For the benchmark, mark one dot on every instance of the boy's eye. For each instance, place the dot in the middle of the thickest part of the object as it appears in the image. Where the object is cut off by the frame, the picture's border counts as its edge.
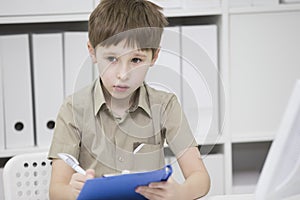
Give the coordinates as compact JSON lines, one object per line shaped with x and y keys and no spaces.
{"x":111,"y":59}
{"x":136,"y":60}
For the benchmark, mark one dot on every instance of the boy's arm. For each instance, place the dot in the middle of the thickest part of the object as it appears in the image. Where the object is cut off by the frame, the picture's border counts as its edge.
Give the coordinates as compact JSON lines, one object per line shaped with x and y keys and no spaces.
{"x":197,"y":183}
{"x":65,"y":184}
{"x":60,"y":178}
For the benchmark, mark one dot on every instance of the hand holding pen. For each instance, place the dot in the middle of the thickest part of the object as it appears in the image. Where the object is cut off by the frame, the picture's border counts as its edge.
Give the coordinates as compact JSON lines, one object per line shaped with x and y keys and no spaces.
{"x":78,"y":178}
{"x":72,"y":162}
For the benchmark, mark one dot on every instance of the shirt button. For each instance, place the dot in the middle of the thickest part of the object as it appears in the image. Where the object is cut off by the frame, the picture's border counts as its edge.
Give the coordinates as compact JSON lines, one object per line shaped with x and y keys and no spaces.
{"x":121,"y":159}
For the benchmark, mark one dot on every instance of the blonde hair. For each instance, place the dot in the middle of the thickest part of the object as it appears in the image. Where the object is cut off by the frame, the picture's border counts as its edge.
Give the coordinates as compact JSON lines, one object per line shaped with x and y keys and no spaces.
{"x":140,"y":22}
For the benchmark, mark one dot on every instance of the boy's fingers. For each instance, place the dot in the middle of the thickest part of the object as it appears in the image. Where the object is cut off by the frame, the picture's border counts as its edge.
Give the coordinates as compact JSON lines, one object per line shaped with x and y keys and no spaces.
{"x":90,"y":173}
{"x":161,"y":184}
{"x":157,"y":185}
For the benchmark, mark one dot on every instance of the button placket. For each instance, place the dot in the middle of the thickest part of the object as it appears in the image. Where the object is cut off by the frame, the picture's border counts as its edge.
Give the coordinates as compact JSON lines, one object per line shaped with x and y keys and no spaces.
{"x":121,"y":159}
{"x":124,"y":159}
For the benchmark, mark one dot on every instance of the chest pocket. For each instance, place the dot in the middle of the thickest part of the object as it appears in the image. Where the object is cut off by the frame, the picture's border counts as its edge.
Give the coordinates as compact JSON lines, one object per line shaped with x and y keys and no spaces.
{"x":149,"y":157}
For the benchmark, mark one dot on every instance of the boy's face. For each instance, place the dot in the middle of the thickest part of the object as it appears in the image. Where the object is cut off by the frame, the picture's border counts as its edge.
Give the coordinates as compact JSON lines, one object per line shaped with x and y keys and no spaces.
{"x":123,"y":69}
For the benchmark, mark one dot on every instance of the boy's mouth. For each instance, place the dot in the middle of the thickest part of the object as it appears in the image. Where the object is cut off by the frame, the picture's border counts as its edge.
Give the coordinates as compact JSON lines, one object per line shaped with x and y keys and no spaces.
{"x":121,"y":88}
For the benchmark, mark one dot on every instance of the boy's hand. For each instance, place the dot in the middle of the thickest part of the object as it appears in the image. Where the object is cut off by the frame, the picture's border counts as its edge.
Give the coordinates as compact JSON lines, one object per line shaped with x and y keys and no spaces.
{"x":164,"y":190}
{"x":77,"y":181}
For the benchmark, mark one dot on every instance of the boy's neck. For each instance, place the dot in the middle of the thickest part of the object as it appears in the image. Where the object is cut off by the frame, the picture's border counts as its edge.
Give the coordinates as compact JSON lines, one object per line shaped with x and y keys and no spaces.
{"x":119,"y":106}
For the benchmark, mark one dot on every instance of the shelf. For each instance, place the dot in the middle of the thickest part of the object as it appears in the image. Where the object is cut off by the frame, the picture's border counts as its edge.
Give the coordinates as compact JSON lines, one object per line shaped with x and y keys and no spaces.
{"x":21,"y":19}
{"x":211,"y":141}
{"x":178,"y":12}
{"x":219,"y":141}
{"x":265,"y":9}
{"x":12,"y":152}
{"x":192,"y":12}
{"x":43,"y":18}
{"x":253,"y":137}
{"x":206,"y":150}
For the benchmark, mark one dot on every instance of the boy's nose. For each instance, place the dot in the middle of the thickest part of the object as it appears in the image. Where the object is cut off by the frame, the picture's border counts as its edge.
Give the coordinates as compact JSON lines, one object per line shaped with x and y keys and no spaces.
{"x":123,"y":72}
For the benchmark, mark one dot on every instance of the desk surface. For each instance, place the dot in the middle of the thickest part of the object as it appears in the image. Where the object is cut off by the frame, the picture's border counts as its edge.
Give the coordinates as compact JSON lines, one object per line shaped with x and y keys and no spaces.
{"x":243,"y":197}
{"x":232,"y":197}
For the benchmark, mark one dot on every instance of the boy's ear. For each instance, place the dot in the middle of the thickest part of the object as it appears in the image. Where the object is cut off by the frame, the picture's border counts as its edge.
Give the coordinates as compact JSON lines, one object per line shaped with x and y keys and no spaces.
{"x":92,"y":52}
{"x":155,"y":56}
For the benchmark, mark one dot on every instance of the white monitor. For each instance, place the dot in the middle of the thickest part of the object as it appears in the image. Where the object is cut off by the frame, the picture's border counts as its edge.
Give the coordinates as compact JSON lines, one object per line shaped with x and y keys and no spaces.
{"x":280,"y":176}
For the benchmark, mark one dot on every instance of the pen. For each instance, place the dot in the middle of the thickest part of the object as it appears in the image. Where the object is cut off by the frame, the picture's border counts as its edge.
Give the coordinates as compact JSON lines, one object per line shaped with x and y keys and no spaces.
{"x":72,"y":162}
{"x":138,"y":148}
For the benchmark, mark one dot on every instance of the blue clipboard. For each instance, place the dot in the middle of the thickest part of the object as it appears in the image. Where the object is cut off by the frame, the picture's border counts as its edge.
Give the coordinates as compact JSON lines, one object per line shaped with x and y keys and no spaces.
{"x":122,"y":186}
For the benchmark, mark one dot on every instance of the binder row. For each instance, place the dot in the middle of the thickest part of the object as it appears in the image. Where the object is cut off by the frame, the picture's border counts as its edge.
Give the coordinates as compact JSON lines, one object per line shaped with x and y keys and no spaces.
{"x":37,"y":71}
{"x":185,"y":53}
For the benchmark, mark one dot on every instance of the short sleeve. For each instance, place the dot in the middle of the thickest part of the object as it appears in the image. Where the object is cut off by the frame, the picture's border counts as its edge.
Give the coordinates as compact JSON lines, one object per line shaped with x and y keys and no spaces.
{"x":177,"y":130}
{"x":66,"y":137}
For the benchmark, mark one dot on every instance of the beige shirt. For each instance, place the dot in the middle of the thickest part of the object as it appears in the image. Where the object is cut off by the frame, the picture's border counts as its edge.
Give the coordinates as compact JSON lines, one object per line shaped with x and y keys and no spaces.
{"x":87,"y":129}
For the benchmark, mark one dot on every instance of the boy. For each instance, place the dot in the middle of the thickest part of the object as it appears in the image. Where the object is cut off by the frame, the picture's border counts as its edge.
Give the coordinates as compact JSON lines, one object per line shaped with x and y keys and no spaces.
{"x":104,"y":124}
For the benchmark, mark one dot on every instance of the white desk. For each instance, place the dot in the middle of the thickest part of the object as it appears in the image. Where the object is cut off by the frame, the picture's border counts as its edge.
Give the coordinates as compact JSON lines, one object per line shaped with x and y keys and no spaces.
{"x":232,"y":197}
{"x":242,"y":197}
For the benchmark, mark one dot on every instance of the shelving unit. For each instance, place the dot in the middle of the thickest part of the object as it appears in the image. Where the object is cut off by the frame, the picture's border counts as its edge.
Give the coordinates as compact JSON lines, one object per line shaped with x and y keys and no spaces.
{"x":258,"y":62}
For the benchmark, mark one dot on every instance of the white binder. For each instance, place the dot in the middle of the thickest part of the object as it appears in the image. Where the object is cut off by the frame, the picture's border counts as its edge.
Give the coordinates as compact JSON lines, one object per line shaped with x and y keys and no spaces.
{"x":200,"y":80}
{"x":214,"y":163}
{"x":165,"y":74}
{"x":2,"y":130}
{"x":14,"y":51}
{"x":48,"y":83}
{"x":78,"y":64}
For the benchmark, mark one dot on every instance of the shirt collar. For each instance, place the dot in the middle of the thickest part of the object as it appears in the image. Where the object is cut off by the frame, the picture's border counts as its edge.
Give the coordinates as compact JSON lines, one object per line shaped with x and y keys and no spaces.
{"x":99,"y":99}
{"x":142,"y":101}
